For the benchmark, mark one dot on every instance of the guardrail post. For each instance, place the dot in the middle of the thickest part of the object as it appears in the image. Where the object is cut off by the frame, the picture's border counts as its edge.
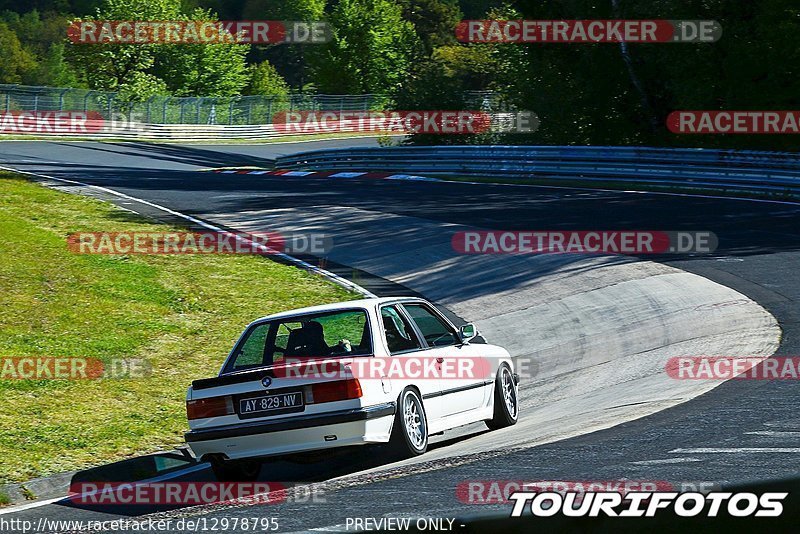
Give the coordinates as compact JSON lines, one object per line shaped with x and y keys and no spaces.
{"x":149,"y":111}
{"x":230,"y":111}
{"x":61,"y":99}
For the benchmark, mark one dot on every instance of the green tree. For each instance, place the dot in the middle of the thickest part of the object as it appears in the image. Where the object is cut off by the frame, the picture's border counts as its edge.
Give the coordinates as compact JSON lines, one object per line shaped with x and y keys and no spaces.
{"x":203,"y":69}
{"x":37,"y":31}
{"x":16,"y":61}
{"x":118,"y":67}
{"x":434,"y":20}
{"x":182,"y":69}
{"x":372,"y":48}
{"x":292,"y":60}
{"x":141,"y":87}
{"x":54,"y":70}
{"x":305,"y":10}
{"x":265,"y":80}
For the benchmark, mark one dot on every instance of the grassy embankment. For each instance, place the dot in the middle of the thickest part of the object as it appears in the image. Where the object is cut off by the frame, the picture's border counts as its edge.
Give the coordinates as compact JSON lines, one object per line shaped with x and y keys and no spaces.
{"x":181,"y":313}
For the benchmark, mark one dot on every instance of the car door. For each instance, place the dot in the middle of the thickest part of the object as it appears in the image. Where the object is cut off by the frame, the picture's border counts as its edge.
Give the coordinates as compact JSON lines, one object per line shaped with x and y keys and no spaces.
{"x":461,"y":391}
{"x":403,"y":342}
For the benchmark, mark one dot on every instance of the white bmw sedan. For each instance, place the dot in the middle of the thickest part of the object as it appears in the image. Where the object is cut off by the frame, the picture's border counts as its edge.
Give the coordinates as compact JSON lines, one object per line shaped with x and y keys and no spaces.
{"x":383,"y":370}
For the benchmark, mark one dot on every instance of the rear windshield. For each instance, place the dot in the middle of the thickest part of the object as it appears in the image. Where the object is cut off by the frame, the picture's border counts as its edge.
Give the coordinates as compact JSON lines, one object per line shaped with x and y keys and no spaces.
{"x":340,"y":333}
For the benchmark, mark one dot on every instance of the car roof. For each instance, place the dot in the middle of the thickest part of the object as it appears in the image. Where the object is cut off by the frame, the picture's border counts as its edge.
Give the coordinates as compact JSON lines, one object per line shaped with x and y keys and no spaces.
{"x":344,"y":305}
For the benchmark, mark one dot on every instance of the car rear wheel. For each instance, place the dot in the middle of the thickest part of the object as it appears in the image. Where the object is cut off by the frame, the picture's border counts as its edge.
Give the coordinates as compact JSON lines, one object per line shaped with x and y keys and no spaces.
{"x":410,"y":430}
{"x":506,"y":400}
{"x":236,"y":470}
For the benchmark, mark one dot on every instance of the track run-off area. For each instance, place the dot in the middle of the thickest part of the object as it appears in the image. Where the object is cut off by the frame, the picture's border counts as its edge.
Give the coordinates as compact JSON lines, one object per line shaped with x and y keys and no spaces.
{"x":593,"y":333}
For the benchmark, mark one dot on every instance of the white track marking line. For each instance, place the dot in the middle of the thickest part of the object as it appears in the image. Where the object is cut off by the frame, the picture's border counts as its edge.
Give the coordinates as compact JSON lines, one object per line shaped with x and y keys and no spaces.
{"x":412,"y":178}
{"x":667,"y":193}
{"x":343,"y":282}
{"x":28,"y":506}
{"x":347,"y":175}
{"x":668,"y":461}
{"x":330,"y":528}
{"x":775,"y":433}
{"x":737,"y":450}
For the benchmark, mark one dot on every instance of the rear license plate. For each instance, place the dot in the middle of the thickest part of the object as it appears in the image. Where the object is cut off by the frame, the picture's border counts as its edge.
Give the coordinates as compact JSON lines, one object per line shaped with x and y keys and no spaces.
{"x":271,"y":404}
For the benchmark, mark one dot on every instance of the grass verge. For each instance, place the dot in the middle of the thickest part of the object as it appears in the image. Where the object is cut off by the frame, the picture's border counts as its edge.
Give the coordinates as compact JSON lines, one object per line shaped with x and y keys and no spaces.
{"x":180,"y":313}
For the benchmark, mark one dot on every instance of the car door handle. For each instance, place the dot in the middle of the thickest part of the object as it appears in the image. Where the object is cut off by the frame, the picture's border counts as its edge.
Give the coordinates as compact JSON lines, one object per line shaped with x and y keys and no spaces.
{"x":440,"y":360}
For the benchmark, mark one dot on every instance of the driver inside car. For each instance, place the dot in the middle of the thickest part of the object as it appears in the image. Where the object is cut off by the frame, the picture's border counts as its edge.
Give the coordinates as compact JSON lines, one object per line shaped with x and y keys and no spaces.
{"x":309,"y":341}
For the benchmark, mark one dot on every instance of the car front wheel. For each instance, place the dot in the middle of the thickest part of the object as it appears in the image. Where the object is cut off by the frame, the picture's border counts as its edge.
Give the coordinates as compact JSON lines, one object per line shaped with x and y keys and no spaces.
{"x":410,"y":430}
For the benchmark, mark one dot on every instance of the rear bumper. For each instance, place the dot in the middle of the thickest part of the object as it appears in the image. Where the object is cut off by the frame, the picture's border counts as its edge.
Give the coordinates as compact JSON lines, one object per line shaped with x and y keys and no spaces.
{"x":295,"y":434}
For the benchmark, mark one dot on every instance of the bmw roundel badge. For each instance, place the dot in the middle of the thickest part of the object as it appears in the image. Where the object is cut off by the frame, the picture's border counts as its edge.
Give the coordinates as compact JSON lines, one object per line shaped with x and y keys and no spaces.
{"x":266,"y":381}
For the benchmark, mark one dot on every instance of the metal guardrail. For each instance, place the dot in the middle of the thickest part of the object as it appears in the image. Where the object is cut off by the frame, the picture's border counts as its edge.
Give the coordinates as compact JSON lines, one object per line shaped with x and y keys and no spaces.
{"x":775,"y":172}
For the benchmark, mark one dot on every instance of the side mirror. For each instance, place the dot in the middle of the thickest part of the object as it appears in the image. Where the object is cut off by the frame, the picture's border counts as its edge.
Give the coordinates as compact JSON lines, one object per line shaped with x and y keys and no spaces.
{"x":467,"y":332}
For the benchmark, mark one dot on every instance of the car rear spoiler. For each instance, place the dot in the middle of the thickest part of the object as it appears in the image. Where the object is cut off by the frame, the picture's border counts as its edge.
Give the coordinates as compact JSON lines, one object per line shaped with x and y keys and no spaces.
{"x":233,"y":378}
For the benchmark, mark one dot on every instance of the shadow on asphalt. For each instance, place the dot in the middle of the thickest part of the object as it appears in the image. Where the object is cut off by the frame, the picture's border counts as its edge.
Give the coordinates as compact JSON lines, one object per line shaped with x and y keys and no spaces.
{"x":179,"y":466}
{"x":188,"y":155}
{"x":743,"y":227}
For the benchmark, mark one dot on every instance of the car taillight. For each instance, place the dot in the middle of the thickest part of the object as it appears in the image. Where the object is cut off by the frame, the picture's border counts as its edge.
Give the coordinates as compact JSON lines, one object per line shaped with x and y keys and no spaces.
{"x":211,"y":407}
{"x":333,"y":391}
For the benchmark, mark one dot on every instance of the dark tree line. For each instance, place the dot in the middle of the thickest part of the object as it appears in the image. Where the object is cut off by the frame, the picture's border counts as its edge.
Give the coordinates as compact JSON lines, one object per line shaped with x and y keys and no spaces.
{"x":583,"y":93}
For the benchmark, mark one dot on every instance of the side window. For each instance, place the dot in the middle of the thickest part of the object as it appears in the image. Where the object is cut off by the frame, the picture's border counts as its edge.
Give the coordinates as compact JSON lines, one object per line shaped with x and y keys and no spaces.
{"x":399,"y":334}
{"x":435,"y":331}
{"x":282,"y":340}
{"x":252,"y":352}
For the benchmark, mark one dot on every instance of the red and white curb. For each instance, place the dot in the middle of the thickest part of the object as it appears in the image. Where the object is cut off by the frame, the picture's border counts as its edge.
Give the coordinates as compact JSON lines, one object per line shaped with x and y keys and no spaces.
{"x":329,"y":174}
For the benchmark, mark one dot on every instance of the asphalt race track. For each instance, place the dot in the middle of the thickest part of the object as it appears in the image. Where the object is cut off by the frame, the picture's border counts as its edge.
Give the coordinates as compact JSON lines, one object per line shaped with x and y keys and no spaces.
{"x":736,"y":432}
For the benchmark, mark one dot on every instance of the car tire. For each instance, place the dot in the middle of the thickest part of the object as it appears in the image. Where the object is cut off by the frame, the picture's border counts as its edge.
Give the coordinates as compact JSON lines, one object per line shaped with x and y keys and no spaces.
{"x":506,"y":400}
{"x":236,"y":470}
{"x":410,"y":430}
